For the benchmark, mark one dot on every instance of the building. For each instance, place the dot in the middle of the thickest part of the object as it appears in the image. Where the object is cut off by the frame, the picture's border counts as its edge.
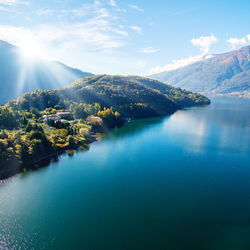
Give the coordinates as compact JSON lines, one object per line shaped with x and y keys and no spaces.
{"x":58,"y":117}
{"x":55,"y":118}
{"x":64,"y":114}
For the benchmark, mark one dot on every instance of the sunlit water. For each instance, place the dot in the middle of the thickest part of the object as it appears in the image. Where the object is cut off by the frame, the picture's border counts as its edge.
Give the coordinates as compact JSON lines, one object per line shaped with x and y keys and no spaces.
{"x":178,"y":182}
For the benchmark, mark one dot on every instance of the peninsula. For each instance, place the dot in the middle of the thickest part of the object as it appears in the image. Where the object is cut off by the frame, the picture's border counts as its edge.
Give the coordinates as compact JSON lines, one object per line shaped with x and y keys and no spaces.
{"x":41,"y":124}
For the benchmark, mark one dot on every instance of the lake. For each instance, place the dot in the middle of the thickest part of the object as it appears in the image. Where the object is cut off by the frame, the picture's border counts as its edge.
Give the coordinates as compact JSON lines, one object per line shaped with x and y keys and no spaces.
{"x":176,"y":182}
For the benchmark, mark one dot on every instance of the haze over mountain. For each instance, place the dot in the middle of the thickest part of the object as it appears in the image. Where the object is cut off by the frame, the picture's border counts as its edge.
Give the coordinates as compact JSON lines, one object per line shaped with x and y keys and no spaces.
{"x":20,"y":73}
{"x":219,"y":74}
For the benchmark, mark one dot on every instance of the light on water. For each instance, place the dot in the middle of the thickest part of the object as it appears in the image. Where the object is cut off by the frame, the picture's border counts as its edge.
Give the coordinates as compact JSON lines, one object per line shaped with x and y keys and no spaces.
{"x":177,"y":182}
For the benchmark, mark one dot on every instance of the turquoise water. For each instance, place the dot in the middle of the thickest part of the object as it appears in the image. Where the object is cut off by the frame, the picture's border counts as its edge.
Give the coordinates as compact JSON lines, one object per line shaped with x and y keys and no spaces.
{"x":177,"y":182}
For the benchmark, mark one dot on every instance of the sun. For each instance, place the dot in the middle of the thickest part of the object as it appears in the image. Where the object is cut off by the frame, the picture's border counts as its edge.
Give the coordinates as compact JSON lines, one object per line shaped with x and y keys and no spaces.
{"x":30,"y":50}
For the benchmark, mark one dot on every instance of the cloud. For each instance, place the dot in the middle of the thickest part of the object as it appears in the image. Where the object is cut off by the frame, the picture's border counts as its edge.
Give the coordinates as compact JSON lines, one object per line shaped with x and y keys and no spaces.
{"x":90,"y":35}
{"x":248,"y":37}
{"x":8,"y":2}
{"x":148,"y":50}
{"x":235,"y":42}
{"x":5,"y":9}
{"x":99,"y":32}
{"x":44,"y":12}
{"x":135,"y":7}
{"x":176,"y":64}
{"x":137,"y":29}
{"x":85,"y":10}
{"x":204,"y":42}
{"x":13,"y":2}
{"x":113,"y":3}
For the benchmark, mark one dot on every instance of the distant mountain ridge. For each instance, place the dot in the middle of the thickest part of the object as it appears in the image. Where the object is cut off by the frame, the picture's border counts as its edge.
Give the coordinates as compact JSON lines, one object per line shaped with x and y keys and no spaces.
{"x":220,"y":74}
{"x":19,"y":75}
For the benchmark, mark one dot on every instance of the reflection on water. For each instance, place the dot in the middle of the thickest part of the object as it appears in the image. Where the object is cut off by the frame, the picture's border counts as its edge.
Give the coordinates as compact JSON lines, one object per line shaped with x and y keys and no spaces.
{"x":133,"y":128}
{"x":176,"y":182}
{"x":222,"y":126}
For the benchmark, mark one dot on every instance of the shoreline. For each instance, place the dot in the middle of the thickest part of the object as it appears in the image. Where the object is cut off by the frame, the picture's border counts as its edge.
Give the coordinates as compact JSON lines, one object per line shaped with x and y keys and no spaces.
{"x":45,"y":160}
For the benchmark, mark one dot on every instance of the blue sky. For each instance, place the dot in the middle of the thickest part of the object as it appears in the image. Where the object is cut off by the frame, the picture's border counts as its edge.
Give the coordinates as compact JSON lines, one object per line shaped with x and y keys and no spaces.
{"x":125,"y":36}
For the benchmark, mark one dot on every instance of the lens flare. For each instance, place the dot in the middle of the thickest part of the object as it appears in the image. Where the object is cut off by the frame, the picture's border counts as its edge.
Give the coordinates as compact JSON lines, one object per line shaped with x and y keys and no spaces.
{"x":30,"y":50}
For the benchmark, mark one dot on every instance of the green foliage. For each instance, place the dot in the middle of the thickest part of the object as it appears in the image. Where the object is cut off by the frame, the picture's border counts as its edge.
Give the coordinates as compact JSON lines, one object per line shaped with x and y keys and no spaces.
{"x":98,"y":102}
{"x":35,"y":112}
{"x":90,"y":95}
{"x":71,"y":140}
{"x":8,"y":118}
{"x":28,"y":127}
{"x":110,"y":117}
{"x":39,"y":99}
{"x":70,"y":152}
{"x":83,"y":110}
{"x":57,"y":124}
{"x":50,"y":110}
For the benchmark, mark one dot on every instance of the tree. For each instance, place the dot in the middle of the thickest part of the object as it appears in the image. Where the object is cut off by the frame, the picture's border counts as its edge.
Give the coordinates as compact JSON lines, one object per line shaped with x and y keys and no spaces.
{"x":28,"y":127}
{"x":71,"y":140}
{"x":36,"y":148}
{"x":23,"y":153}
{"x":35,"y":112}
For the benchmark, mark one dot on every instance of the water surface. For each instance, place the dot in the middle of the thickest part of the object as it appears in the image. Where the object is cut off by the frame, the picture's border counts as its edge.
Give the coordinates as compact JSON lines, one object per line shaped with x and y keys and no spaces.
{"x":176,"y":182}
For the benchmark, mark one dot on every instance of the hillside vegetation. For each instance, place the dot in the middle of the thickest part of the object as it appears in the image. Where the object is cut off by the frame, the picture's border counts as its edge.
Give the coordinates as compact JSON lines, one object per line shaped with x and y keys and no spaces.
{"x":31,"y":130}
{"x":131,"y":96}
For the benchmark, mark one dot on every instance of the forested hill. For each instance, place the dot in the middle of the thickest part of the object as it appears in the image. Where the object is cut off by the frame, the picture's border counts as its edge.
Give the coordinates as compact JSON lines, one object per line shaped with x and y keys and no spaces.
{"x":20,"y":73}
{"x":220,"y":74}
{"x":130,"y":95}
{"x":46,"y":122}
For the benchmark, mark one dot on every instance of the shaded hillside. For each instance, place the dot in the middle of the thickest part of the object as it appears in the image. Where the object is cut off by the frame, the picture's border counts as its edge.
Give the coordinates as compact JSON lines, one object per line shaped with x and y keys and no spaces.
{"x":131,"y":96}
{"x":19,"y":74}
{"x":223,"y":74}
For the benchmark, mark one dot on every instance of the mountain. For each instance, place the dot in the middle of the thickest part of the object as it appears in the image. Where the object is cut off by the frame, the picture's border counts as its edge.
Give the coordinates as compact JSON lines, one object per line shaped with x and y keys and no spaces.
{"x":130,"y":95}
{"x":19,"y":74}
{"x":220,"y":74}
{"x":44,"y":123}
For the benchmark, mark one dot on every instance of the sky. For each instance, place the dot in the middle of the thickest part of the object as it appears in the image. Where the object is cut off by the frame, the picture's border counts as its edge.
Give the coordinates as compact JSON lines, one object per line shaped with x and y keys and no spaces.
{"x":131,"y":37}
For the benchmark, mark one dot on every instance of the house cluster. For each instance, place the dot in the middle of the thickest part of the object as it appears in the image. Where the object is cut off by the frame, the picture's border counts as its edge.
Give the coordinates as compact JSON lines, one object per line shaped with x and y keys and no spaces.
{"x":58,"y":117}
